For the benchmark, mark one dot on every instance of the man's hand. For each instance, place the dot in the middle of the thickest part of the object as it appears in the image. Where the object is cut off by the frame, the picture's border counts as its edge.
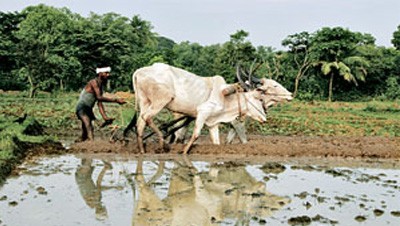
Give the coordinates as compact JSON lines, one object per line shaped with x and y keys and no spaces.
{"x":107,"y":121}
{"x":120,"y":101}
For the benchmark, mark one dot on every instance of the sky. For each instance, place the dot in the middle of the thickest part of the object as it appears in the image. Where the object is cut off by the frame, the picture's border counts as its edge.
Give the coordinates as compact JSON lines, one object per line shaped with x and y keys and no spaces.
{"x":268,"y":22}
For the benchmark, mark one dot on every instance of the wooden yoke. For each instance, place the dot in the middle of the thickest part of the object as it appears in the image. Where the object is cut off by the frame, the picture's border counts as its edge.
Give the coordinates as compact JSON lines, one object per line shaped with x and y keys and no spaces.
{"x":234,"y":88}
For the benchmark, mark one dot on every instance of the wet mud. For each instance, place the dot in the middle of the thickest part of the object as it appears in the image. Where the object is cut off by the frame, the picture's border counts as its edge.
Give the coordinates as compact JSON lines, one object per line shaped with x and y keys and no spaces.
{"x":279,"y":146}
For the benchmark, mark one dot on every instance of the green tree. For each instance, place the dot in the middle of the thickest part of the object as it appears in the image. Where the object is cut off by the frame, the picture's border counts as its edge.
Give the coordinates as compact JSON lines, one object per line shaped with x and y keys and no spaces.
{"x":8,"y":52}
{"x":335,"y":50}
{"x":270,"y":60}
{"x":392,"y":82}
{"x":46,"y":57}
{"x":165,"y":49}
{"x":196,"y":58}
{"x":396,"y":38}
{"x":116,"y":41}
{"x":206,"y":64}
{"x":144,"y":43}
{"x":237,"y":51}
{"x":299,"y":45}
{"x":187,"y":55}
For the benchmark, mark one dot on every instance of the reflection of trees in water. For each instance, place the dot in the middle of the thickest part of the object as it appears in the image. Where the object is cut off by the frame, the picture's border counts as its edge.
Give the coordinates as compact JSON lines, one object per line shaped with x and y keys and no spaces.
{"x":89,"y":190}
{"x":226,"y":191}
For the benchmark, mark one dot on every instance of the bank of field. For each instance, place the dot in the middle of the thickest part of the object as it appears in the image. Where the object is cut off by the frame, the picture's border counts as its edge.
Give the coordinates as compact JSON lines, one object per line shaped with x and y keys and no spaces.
{"x":316,"y":118}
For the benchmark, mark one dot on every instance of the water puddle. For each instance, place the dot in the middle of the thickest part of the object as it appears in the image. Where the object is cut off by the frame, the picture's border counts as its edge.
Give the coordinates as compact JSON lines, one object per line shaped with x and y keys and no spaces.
{"x":104,"y":190}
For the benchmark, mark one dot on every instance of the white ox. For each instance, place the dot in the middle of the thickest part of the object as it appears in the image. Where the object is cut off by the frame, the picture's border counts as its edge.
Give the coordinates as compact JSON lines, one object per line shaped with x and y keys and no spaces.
{"x":162,"y":86}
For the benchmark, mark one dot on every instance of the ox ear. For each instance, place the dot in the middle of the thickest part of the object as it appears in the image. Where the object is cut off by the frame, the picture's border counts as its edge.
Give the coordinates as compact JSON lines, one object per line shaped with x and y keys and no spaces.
{"x":263,"y":81}
{"x":262,"y":89}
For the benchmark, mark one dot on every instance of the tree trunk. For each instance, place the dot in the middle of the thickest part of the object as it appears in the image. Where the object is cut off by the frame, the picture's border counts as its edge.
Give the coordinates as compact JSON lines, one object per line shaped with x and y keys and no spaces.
{"x":330,"y":88}
{"x":299,"y":75}
{"x":61,"y":85}
{"x":32,"y":92}
{"x":32,"y":88}
{"x":296,"y":84}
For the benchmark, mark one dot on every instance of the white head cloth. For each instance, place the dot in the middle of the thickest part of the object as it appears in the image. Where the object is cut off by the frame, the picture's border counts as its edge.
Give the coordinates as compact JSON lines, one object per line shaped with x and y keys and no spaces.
{"x":103,"y":69}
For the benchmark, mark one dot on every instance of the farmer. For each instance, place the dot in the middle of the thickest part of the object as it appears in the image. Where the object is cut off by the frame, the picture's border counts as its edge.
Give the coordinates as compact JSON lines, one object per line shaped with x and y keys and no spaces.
{"x":93,"y":92}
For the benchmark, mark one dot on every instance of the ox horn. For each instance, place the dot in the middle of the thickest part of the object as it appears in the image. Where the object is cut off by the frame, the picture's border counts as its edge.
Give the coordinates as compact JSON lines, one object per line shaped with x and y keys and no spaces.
{"x":241,"y":82}
{"x":254,"y":82}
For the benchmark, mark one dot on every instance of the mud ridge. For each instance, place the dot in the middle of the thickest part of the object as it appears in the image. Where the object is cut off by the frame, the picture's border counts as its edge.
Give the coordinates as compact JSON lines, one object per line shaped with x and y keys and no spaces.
{"x":279,"y":146}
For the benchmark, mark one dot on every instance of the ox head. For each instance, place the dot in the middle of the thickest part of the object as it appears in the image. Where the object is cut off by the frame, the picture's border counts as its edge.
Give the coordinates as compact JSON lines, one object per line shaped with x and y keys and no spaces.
{"x":273,"y":93}
{"x":270,"y":91}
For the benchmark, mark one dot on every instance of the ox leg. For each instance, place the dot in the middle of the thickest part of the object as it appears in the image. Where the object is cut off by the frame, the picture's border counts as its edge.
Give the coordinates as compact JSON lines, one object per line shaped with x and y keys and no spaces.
{"x":148,"y":115}
{"x":179,"y":136}
{"x":241,"y":131}
{"x":141,"y":124}
{"x":214,"y":134}
{"x":231,"y":135}
{"x":131,"y":126}
{"x":180,"y":131}
{"x":158,"y":132}
{"x":196,"y":132}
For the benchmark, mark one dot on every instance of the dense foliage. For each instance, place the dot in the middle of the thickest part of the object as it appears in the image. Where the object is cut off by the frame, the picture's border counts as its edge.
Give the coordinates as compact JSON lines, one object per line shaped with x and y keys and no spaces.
{"x":51,"y":49}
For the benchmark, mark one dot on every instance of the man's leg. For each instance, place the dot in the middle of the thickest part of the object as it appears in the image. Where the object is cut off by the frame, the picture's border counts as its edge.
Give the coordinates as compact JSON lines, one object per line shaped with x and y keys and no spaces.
{"x":84,"y":132}
{"x":87,"y":128}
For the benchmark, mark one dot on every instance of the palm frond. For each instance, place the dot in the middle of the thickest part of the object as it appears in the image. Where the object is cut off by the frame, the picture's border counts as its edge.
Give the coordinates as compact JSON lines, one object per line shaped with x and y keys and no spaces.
{"x":343,"y":68}
{"x":326,"y":68}
{"x":356,"y":61}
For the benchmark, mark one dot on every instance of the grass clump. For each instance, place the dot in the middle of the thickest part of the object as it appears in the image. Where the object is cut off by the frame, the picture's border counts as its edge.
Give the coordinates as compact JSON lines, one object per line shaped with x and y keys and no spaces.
{"x":16,"y":140}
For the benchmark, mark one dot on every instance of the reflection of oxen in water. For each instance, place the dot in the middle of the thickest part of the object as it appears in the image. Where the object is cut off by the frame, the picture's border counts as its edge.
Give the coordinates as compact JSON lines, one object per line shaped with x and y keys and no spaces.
{"x":225,"y":192}
{"x":179,"y":208}
{"x":90,"y":191}
{"x":186,"y":196}
{"x":148,"y":209}
{"x":242,"y":196}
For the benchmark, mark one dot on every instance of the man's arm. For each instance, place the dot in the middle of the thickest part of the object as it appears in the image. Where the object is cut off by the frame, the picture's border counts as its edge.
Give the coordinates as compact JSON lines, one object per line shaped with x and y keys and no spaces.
{"x":99,"y":96}
{"x":102,"y":111}
{"x":100,"y":99}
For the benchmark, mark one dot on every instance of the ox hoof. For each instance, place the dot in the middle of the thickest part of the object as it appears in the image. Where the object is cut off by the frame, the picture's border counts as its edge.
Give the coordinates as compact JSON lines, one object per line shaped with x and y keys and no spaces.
{"x":165,"y":148}
{"x":124,"y":143}
{"x":184,"y":152}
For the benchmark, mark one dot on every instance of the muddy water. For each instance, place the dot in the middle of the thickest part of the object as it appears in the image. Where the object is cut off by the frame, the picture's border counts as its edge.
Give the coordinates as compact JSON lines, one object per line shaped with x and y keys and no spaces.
{"x":172,"y":190}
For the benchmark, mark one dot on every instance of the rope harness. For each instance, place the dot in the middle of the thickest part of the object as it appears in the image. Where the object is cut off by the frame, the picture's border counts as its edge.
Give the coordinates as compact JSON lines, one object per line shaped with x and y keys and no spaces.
{"x":239,"y":90}
{"x":242,"y":115}
{"x":263,"y":111}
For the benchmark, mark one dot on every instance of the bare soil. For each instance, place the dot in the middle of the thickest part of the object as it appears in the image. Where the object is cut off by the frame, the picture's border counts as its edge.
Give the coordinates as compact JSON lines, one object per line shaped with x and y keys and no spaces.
{"x":272,"y":146}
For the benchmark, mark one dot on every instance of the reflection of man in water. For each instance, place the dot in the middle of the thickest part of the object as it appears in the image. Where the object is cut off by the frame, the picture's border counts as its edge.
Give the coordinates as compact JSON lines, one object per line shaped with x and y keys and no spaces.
{"x":90,"y":191}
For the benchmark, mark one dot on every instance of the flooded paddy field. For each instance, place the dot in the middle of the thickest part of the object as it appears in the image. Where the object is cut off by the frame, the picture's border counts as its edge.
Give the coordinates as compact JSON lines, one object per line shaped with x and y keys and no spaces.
{"x":111,"y":189}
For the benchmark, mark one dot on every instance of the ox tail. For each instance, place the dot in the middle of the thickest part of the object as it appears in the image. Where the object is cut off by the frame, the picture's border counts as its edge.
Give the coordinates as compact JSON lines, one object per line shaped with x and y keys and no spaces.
{"x":132,"y":125}
{"x":134,"y":84}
